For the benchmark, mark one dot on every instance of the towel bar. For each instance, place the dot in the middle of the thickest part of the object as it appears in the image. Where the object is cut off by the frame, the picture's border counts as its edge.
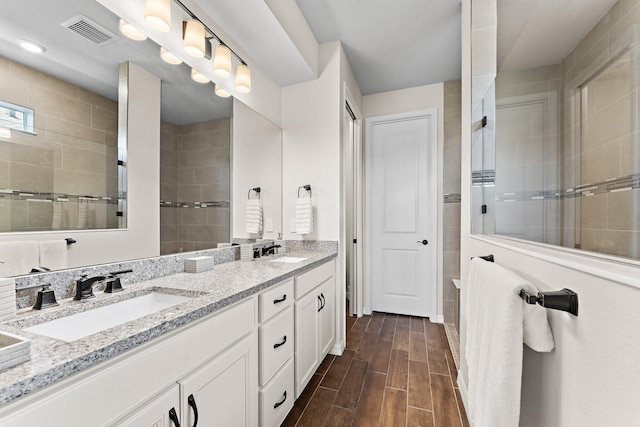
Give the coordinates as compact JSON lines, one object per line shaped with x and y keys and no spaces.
{"x":70,"y":241}
{"x":564,"y":300}
{"x":486,"y":258}
{"x":306,"y":187}
{"x":256,"y":190}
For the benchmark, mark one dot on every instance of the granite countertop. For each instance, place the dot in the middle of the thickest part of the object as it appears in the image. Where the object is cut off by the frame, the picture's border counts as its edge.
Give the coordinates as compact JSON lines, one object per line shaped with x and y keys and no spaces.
{"x":53,"y":360}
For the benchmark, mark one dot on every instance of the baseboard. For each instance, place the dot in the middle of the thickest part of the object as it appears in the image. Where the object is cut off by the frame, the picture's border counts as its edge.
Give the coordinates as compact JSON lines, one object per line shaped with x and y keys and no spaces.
{"x":438,"y":319}
{"x":464,"y":395}
{"x":337,"y":349}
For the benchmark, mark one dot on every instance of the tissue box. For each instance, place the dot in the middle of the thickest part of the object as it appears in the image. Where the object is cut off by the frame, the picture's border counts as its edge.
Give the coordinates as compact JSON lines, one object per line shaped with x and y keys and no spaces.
{"x":198,"y":264}
{"x":7,"y":299}
{"x":13,"y":350}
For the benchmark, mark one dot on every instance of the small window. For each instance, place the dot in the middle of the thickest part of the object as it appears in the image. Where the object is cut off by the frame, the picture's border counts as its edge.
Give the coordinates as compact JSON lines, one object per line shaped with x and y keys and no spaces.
{"x":17,"y":117}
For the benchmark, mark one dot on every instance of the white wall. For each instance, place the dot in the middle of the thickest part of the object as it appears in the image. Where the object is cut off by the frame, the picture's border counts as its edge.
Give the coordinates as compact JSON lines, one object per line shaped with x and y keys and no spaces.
{"x":311,"y":147}
{"x":592,"y":378}
{"x":141,"y":238}
{"x":256,"y":162}
{"x":416,"y":99}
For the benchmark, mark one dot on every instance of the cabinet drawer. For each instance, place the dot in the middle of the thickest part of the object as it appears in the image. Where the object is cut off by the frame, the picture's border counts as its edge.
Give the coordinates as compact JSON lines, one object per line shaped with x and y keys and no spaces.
{"x":276,"y":399}
{"x":309,"y":280}
{"x":275,"y":299}
{"x":276,"y":344}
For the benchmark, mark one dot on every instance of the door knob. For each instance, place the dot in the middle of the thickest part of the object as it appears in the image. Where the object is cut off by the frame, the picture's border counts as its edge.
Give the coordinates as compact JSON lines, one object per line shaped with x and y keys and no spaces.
{"x":424,"y":242}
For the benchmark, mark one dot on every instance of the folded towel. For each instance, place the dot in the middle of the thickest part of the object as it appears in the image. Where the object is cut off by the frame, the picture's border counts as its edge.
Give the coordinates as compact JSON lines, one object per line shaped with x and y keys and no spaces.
{"x":304,"y":215}
{"x":18,"y":257}
{"x":53,"y":254}
{"x":498,"y":323}
{"x":253,"y":216}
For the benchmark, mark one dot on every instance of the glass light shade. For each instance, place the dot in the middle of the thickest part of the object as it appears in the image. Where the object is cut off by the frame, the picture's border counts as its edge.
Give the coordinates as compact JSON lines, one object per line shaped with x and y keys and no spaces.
{"x":131,"y":32}
{"x":222,"y":61}
{"x":222,"y":92}
{"x":157,"y":13}
{"x":243,"y":79}
{"x":194,"y":41}
{"x":195,"y":75}
{"x":169,"y":57}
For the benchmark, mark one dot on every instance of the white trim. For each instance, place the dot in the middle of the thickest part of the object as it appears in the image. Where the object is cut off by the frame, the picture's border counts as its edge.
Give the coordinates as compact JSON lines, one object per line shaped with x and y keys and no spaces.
{"x":338,"y":348}
{"x":438,"y":319}
{"x":431,"y":113}
{"x":594,"y":264}
{"x":464,"y":396}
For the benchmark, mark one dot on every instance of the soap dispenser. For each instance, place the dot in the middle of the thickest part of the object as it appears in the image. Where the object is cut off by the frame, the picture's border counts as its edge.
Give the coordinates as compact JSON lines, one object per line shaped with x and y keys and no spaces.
{"x":46,"y":298}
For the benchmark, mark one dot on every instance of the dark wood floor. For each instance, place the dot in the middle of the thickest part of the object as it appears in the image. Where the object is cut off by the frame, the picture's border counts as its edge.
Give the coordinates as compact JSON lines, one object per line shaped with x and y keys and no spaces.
{"x":395,"y":371}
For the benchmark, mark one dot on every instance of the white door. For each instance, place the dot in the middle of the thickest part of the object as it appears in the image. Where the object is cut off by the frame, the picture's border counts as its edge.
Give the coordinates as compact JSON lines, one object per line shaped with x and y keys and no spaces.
{"x":402,"y":198}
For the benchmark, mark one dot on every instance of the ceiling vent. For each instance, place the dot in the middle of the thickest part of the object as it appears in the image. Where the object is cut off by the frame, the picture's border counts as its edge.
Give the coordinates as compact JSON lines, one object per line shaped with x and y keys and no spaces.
{"x":90,"y":30}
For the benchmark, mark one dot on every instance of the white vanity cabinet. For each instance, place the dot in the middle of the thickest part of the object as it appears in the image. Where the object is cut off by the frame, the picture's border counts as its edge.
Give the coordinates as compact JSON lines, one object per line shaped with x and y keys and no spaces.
{"x":215,"y":359}
{"x":276,"y":332}
{"x":315,"y":321}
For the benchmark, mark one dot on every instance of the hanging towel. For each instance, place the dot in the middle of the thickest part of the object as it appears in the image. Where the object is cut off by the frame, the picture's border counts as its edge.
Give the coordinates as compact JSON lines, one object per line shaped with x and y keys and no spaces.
{"x":253,"y":223}
{"x":498,"y":323}
{"x":53,"y":254}
{"x":304,"y":215}
{"x":18,"y":257}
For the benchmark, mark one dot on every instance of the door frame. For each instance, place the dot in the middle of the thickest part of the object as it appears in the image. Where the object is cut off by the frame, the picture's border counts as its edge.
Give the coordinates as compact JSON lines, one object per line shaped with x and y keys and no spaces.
{"x":436,"y":152}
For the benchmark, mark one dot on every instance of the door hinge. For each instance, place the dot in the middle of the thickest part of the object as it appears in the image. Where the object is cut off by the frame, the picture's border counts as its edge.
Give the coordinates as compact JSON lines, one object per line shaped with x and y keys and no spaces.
{"x":484,"y":209}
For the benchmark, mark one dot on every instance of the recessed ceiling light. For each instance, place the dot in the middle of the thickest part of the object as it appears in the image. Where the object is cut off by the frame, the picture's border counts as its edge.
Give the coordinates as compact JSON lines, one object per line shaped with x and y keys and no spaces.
{"x":32,"y":47}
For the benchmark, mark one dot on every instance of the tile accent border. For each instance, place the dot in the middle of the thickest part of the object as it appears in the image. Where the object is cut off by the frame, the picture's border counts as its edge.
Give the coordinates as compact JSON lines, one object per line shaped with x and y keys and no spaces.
{"x":454,"y":342}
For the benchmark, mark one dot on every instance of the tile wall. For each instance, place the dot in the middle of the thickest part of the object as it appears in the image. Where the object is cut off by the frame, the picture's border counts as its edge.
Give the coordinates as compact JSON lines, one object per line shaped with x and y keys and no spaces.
{"x":74,"y":151}
{"x":194,"y":172}
{"x":452,"y":147}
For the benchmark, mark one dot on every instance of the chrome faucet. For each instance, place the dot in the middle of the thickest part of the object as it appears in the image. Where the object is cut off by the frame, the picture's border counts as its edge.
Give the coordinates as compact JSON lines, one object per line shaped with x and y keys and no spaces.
{"x":84,"y":286}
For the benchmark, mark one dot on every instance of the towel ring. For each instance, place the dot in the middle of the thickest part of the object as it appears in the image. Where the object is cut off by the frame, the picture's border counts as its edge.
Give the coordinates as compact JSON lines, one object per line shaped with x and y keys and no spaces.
{"x":306,"y":187}
{"x":256,"y":190}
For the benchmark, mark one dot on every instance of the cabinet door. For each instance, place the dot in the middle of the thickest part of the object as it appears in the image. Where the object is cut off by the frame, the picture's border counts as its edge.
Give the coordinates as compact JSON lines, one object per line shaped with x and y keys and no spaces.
{"x":307,"y":352}
{"x":327,"y":317}
{"x":162,"y":411}
{"x":224,"y":392}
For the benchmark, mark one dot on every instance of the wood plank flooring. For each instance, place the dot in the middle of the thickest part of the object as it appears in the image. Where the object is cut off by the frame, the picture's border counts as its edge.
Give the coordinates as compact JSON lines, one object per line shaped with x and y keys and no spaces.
{"x":396,"y":371}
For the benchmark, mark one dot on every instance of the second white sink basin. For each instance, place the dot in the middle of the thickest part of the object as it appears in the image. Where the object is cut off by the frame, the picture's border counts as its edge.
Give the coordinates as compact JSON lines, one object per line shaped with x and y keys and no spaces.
{"x":80,"y":325}
{"x":288,"y":259}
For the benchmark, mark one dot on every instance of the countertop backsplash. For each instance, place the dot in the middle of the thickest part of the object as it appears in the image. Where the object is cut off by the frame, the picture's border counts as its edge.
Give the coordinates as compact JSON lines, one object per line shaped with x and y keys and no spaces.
{"x":63,"y":281}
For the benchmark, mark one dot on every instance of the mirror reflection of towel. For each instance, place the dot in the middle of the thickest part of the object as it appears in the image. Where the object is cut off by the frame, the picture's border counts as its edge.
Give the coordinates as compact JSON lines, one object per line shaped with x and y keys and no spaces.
{"x":18,"y":257}
{"x":53,"y":254}
{"x":253,"y":223}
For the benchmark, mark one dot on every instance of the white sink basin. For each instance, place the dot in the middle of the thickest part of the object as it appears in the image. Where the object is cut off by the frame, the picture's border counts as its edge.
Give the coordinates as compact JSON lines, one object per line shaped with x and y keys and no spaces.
{"x":80,"y":325}
{"x":288,"y":259}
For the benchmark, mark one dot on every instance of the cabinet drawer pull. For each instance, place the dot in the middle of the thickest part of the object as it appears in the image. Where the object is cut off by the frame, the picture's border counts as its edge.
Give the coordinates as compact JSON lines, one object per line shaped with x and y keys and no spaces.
{"x":320,"y":299}
{"x":173,"y":416}
{"x":192,"y":403}
{"x":280,"y":344}
{"x":279,"y":404}
{"x":324,"y":302}
{"x":277,"y":301}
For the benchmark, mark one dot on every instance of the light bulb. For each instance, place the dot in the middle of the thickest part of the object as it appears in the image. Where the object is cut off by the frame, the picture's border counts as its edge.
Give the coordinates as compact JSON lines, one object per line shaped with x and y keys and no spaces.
{"x":222,"y":61}
{"x":198,"y":77}
{"x":169,"y":57}
{"x":194,"y":40}
{"x":243,"y":79}
{"x":131,"y":32}
{"x":157,"y":14}
{"x":221,"y":92}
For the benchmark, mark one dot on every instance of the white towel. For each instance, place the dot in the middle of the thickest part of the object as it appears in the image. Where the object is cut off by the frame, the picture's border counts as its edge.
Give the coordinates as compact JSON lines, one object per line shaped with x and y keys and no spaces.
{"x":53,"y":254}
{"x":253,"y":220}
{"x":304,"y":215}
{"x":498,"y":323}
{"x":18,"y":257}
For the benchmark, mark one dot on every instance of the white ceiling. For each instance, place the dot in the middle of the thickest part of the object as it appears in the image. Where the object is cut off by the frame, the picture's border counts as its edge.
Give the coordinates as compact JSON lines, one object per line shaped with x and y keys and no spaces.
{"x":391,"y":44}
{"x":81,"y":62}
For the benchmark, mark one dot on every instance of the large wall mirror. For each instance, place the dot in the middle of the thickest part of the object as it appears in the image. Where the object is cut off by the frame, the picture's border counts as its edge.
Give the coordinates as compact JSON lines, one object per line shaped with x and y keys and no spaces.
{"x":561,"y":148}
{"x":63,"y":173}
